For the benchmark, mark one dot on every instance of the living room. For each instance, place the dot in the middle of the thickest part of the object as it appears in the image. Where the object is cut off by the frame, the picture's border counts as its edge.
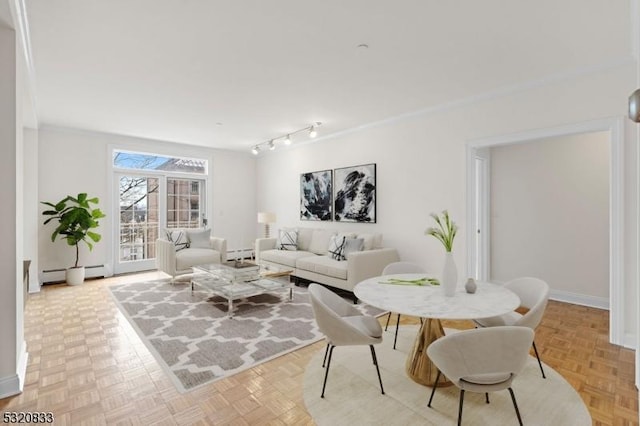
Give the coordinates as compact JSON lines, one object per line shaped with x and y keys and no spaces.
{"x":419,"y":137}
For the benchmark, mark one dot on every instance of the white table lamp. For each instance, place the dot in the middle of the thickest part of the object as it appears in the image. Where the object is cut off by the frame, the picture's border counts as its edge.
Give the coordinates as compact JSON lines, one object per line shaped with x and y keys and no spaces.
{"x":266,"y":218}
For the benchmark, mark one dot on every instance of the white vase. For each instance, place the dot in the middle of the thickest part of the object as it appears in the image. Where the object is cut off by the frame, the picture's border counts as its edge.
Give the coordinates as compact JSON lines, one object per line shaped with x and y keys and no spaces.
{"x":449,"y":275}
{"x":75,"y":276}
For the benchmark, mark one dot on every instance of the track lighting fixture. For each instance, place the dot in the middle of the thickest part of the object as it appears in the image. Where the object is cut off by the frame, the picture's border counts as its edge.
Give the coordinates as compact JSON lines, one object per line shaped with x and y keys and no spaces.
{"x":286,"y":139}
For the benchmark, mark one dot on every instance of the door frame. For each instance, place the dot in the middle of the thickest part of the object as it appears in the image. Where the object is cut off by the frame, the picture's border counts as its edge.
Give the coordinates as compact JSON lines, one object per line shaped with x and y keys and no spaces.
{"x":615,"y":127}
{"x":478,"y":223}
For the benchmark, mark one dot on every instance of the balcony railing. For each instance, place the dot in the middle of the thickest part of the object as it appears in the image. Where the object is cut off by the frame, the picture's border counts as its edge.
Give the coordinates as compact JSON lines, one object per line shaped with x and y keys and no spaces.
{"x":138,"y":239}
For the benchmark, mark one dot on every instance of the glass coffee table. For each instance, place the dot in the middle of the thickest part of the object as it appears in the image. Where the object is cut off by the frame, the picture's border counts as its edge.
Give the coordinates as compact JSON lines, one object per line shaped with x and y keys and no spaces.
{"x":237,"y":280}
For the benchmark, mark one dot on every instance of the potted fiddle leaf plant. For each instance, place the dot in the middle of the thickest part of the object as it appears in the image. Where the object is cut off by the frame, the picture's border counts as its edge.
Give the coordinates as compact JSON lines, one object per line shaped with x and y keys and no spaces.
{"x":76,"y":219}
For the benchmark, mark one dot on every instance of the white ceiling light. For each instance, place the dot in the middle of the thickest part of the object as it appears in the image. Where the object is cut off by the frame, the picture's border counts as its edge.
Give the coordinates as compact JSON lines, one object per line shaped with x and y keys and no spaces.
{"x":286,"y":138}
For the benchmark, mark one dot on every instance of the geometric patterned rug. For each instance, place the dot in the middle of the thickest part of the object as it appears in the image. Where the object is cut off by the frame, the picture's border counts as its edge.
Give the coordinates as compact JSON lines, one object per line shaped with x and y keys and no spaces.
{"x":191,"y":336}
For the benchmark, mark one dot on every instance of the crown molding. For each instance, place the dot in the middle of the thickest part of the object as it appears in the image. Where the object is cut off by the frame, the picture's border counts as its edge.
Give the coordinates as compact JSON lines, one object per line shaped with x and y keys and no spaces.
{"x":21,"y":22}
{"x":484,"y":97}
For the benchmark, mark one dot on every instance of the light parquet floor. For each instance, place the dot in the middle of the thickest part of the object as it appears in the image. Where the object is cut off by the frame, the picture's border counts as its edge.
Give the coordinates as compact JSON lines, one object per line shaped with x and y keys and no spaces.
{"x":88,"y":366}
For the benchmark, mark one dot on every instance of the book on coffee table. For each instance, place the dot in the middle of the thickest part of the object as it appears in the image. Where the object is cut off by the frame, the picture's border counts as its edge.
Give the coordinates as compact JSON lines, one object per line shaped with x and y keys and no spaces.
{"x":240,"y":265}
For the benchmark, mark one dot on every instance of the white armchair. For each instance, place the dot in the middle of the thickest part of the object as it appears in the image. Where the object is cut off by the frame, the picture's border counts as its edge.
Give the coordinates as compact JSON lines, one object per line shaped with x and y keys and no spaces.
{"x":175,"y":263}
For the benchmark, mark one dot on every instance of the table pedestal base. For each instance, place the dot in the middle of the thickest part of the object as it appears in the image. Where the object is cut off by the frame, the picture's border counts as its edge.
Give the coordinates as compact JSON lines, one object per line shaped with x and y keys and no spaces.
{"x":419,"y":366}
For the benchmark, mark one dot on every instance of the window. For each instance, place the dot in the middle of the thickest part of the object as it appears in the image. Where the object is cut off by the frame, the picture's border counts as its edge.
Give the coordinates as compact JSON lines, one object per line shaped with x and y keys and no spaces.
{"x":143,"y":161}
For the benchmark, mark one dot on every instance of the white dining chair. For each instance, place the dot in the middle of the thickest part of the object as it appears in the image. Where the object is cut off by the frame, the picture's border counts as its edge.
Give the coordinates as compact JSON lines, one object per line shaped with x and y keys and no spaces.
{"x":343,"y":325}
{"x":400,"y":268}
{"x":534,"y":295}
{"x":481,"y":360}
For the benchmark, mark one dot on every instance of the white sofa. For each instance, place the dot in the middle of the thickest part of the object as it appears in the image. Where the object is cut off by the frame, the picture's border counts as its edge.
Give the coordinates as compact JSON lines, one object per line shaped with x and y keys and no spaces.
{"x":201,"y":249}
{"x":311,"y":261}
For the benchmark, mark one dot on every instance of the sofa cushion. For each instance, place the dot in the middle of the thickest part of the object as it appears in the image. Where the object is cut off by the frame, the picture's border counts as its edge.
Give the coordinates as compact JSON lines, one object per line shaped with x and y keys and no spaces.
{"x":199,"y":238}
{"x":323,"y":265}
{"x":320,"y":241}
{"x":304,"y":238}
{"x":284,"y":257}
{"x":187,"y":258}
{"x":371,"y":241}
{"x":288,"y":240}
{"x":178,"y":237}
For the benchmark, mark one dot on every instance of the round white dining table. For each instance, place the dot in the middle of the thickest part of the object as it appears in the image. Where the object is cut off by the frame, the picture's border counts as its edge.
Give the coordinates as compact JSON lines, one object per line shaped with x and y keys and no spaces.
{"x":430,"y":303}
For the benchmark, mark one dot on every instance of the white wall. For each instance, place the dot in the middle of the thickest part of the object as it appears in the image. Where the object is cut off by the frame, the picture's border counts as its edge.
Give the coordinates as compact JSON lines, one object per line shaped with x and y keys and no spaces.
{"x":31,"y":205}
{"x":550,"y":212}
{"x":8,"y":250}
{"x":13,"y":356}
{"x":421,"y":161}
{"x":73,"y":161}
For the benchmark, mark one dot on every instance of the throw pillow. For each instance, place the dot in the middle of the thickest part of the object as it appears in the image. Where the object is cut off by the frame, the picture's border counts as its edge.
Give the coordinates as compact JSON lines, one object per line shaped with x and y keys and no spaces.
{"x":351,"y":245}
{"x":178,"y":237}
{"x":288,"y":239}
{"x":199,"y":238}
{"x":335,"y":247}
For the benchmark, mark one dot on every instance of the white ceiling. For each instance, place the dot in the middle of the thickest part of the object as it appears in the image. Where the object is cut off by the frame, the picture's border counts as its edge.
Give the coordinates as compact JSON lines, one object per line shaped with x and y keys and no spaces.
{"x":230,"y":74}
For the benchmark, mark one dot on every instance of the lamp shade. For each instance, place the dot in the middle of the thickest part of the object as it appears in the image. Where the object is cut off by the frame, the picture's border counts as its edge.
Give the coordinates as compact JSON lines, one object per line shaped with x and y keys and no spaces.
{"x":266,"y":217}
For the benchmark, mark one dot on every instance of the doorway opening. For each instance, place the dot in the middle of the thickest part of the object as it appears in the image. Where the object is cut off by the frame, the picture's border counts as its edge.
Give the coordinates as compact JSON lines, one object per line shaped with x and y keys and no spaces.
{"x":478,"y":213}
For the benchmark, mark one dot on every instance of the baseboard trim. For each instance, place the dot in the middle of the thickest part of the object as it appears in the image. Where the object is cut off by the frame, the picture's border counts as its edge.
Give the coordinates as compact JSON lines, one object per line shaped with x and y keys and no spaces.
{"x":629,"y":341}
{"x":9,"y":386}
{"x":58,"y":275}
{"x":14,"y":383}
{"x":580,"y":299}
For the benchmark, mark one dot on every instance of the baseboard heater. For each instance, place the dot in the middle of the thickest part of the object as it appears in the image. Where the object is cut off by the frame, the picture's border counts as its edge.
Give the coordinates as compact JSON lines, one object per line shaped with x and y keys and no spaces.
{"x":55,"y":276}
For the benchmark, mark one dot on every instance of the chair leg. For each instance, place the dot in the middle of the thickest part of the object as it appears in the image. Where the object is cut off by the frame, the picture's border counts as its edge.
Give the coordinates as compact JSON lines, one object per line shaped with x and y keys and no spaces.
{"x":326,"y":372}
{"x":515,"y":405}
{"x":326,"y":351}
{"x":387,"y":324}
{"x":460,"y":409}
{"x":539,"y":362}
{"x":433,"y":389}
{"x":375,"y":362}
{"x":486,"y":397}
{"x":395,"y":339}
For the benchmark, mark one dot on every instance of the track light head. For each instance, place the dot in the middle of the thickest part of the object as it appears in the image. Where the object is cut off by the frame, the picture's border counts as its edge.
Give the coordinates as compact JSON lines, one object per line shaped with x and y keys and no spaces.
{"x":272,"y":145}
{"x":287,"y":140}
{"x":255,"y":150}
{"x":313,"y":130}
